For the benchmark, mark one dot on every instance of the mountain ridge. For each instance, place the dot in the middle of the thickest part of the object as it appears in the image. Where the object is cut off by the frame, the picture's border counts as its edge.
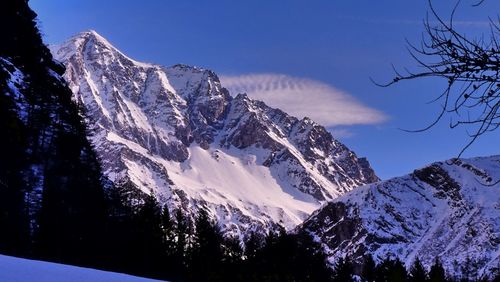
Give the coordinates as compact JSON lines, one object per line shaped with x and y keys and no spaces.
{"x":447,"y":210}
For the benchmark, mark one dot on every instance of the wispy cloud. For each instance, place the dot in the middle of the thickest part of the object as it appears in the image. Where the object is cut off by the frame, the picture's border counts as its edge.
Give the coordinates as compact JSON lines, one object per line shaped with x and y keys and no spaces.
{"x":461,"y":23}
{"x":304,"y":97}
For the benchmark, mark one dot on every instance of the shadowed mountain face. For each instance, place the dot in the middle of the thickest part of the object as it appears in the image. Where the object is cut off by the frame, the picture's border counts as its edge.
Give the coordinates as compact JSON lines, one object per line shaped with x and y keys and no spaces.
{"x":448,"y":210}
{"x":176,"y":132}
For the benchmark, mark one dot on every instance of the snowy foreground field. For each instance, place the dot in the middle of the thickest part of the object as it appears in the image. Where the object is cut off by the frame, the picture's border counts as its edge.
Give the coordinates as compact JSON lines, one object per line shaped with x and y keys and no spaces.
{"x":23,"y":270}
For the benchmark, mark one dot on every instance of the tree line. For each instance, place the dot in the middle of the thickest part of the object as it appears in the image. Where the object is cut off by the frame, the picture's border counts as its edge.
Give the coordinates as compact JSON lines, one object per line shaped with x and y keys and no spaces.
{"x":169,"y":246}
{"x":150,"y":241}
{"x":393,"y":270}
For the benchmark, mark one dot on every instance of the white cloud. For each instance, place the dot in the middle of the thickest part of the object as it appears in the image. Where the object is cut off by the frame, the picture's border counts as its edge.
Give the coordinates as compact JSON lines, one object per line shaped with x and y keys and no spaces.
{"x":302,"y":97}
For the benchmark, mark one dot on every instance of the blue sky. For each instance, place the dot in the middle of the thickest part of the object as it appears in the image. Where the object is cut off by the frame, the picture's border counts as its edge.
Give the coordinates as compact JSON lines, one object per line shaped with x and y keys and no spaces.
{"x":337,"y":45}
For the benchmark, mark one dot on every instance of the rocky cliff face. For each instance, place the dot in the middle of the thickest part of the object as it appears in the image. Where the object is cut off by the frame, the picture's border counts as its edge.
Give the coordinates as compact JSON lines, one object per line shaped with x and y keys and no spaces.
{"x":176,"y":132}
{"x":448,"y":210}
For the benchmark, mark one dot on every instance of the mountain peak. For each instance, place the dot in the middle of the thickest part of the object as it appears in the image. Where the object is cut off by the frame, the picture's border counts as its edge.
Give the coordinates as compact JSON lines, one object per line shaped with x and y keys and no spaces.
{"x":81,"y":38}
{"x":90,"y":44}
{"x":92,"y":34}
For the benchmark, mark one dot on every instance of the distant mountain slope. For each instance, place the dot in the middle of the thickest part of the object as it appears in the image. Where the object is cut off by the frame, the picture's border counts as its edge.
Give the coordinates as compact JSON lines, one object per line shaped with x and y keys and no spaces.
{"x":177,"y":132}
{"x":449,"y":210}
{"x":25,"y":270}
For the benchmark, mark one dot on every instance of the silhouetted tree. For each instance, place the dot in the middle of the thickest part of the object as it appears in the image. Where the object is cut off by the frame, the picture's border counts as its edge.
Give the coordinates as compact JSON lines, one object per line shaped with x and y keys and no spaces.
{"x":391,"y":270}
{"x":417,"y":272}
{"x":496,"y":277}
{"x":207,"y":253}
{"x":233,"y":251}
{"x":121,"y":238}
{"x":253,"y":243}
{"x":289,"y":257}
{"x":169,"y":246}
{"x":343,"y":270}
{"x":181,"y":246}
{"x":437,"y":273}
{"x":469,"y":270}
{"x":73,"y":202}
{"x":14,"y":238}
{"x":369,"y":268}
{"x":168,"y":228}
{"x":151,"y":237}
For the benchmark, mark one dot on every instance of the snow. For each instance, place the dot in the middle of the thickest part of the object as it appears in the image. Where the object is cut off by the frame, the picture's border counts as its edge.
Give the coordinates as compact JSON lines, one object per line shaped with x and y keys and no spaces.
{"x":407,"y":217}
{"x":238,"y":178}
{"x":15,"y":81}
{"x":79,"y":38}
{"x":228,"y":177}
{"x":14,"y":269}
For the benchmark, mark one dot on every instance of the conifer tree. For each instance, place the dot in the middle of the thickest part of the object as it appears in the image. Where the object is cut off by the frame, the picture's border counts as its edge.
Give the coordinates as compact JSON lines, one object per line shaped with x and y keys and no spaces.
{"x":398,"y":271}
{"x":469,"y":270}
{"x":182,"y":231}
{"x":391,"y":270}
{"x":290,"y":257}
{"x":14,"y":224}
{"x":73,"y":214}
{"x":496,"y":276}
{"x":417,"y":272}
{"x":369,"y":268}
{"x":253,"y":243}
{"x":343,"y":271}
{"x":437,"y":273}
{"x":151,"y":237}
{"x":168,"y":229}
{"x":122,"y":228}
{"x":312,"y":259}
{"x":233,"y":251}
{"x":207,"y":253}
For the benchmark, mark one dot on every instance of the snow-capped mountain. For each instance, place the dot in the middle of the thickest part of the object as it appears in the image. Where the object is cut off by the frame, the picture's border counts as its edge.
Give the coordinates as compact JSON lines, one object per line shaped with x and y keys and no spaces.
{"x":449,"y":210}
{"x":176,"y":132}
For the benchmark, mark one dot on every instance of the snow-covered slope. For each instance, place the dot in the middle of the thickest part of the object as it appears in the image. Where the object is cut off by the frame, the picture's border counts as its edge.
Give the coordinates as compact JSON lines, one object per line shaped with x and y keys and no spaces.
{"x":14,"y":269}
{"x":448,"y":209}
{"x":177,"y":132}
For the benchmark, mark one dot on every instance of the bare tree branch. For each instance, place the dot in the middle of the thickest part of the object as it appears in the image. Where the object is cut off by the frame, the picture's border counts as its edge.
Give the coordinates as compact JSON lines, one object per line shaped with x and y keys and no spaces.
{"x":471,"y":67}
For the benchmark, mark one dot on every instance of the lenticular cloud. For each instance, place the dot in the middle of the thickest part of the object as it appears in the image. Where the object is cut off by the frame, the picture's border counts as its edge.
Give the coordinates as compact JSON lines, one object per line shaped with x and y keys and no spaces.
{"x":304,"y":97}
